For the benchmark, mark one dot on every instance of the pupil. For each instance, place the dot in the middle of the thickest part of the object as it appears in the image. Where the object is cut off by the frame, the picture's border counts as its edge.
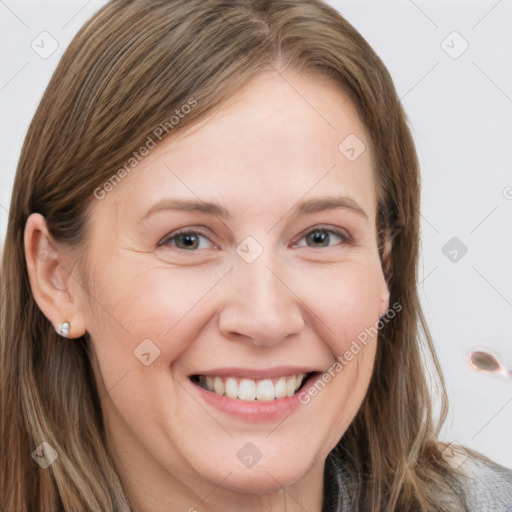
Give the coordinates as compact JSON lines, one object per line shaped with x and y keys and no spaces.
{"x":189,"y":240}
{"x":319,"y":236}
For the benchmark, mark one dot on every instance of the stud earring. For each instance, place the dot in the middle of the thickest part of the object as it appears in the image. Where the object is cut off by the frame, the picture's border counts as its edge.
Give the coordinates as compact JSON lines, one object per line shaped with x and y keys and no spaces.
{"x":63,"y":329}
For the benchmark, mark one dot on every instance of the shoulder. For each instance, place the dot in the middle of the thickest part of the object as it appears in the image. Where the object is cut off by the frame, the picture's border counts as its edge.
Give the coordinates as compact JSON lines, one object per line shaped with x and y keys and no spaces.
{"x":487,"y":485}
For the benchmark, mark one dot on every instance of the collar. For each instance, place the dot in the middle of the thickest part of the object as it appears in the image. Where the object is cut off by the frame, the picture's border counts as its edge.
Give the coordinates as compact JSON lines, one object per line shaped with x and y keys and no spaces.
{"x":338,"y":484}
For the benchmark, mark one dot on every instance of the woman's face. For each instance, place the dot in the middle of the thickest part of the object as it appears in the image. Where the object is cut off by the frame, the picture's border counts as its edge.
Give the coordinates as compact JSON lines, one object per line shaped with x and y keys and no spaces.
{"x":238,"y":256}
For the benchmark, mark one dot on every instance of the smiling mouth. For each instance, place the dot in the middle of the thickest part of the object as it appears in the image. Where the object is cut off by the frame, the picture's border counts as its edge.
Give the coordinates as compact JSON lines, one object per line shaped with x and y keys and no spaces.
{"x":250,"y":390}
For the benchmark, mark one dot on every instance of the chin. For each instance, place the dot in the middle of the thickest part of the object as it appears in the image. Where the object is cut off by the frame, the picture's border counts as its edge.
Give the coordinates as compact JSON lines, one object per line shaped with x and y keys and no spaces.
{"x":262,"y":481}
{"x":264,"y":477}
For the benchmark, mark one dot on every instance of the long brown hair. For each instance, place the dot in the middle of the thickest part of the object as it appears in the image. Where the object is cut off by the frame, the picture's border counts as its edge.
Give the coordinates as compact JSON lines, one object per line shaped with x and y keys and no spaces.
{"x":130,"y":67}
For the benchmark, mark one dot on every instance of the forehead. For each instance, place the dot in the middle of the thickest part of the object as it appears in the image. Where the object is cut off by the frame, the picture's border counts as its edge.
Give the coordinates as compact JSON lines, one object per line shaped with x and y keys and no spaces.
{"x":282,"y":137}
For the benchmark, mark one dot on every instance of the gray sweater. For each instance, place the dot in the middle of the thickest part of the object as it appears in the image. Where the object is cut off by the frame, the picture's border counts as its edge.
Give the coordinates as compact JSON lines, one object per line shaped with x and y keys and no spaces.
{"x":489,"y":486}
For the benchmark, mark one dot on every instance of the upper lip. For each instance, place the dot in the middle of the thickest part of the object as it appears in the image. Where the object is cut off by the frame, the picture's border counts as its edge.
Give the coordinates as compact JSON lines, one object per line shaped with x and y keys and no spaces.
{"x":254,"y":373}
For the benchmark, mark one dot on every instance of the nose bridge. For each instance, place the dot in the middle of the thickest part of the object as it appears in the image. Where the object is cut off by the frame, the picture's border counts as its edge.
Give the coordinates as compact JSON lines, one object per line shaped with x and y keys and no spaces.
{"x":260,"y":286}
{"x":258,"y":304}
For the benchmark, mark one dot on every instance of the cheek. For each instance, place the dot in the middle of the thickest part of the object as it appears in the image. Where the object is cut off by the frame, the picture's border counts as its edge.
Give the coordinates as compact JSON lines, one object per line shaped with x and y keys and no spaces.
{"x":151,"y":309}
{"x":170,"y":305}
{"x":345,"y":302}
{"x":347,"y":306}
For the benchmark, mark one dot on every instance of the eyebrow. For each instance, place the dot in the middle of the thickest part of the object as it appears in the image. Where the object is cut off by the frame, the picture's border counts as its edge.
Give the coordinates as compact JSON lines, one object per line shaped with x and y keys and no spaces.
{"x":304,"y":207}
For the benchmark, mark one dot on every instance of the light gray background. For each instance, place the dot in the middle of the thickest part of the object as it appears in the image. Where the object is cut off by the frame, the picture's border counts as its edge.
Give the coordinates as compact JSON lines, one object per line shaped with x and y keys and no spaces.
{"x":460,"y":110}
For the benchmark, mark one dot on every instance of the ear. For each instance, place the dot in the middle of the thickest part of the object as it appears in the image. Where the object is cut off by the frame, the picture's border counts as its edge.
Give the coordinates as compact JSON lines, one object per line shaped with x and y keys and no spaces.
{"x":384,"y":300}
{"x":49,"y":271}
{"x":386,"y":266}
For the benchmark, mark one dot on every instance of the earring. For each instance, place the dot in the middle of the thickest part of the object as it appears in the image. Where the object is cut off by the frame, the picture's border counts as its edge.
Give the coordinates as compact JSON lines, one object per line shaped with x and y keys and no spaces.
{"x":63,"y":329}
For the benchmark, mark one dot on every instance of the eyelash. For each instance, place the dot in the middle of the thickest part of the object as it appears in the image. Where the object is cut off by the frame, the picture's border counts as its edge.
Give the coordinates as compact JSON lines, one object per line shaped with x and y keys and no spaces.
{"x":345,"y":238}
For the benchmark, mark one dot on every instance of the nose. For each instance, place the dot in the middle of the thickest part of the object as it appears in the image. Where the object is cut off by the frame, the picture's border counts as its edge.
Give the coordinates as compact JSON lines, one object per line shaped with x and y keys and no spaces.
{"x":260,"y":304}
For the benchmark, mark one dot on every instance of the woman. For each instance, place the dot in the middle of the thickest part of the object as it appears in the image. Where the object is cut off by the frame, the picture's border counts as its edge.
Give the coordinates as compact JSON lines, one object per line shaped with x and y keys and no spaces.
{"x":209,"y":277}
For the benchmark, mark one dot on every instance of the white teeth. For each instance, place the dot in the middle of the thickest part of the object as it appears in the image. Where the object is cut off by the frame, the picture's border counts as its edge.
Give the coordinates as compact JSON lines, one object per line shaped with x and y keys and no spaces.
{"x":280,"y":388}
{"x":265,"y":390}
{"x":218,"y":386}
{"x":290,"y":385}
{"x":250,"y":390}
{"x":231,"y":388}
{"x":247,"y":390}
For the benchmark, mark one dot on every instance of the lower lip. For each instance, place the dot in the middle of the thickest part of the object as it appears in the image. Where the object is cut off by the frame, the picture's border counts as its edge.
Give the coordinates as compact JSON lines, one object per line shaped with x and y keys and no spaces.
{"x":256,"y":410}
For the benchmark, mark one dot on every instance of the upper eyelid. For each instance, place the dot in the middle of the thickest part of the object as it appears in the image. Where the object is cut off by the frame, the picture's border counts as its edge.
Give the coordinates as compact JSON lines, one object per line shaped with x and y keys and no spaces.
{"x":182,"y":231}
{"x":321,"y":227}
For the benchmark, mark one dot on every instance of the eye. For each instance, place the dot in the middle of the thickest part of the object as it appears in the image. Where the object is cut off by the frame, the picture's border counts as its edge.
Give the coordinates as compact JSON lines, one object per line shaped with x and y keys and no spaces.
{"x":186,"y":240}
{"x":321,"y":237}
{"x":189,"y":240}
